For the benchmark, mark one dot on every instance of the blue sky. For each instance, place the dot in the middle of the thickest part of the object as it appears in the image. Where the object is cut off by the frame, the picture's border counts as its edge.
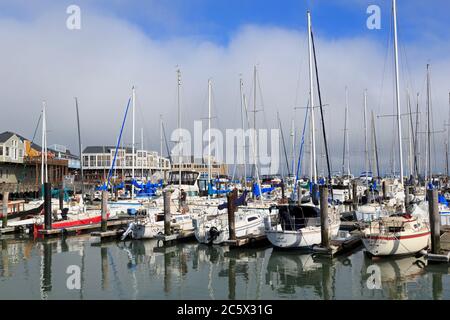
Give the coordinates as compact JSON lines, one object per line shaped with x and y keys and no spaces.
{"x":129,"y":42}
{"x":218,"y":20}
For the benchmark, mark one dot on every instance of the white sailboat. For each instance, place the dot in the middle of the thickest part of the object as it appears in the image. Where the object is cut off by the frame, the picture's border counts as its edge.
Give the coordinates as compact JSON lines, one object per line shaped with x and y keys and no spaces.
{"x":400,"y":233}
{"x":299,"y":226}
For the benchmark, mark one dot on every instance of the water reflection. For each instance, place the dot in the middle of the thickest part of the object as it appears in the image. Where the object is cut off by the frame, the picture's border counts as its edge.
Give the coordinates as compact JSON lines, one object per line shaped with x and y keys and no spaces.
{"x":141,"y":269}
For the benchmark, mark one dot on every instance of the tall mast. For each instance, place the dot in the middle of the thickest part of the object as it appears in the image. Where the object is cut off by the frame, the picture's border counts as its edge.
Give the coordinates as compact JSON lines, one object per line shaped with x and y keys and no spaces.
{"x":180,"y":160}
{"x":311,"y":99}
{"x":397,"y":90}
{"x":448,"y":139}
{"x":160,"y":142}
{"x":255,"y":158}
{"x":292,"y":144}
{"x":346,"y":142}
{"x":142,"y":153}
{"x":410,"y":138}
{"x":209,"y":132}
{"x":366,"y":148}
{"x":429,"y":167}
{"x":80,"y":148}
{"x":133,"y":145}
{"x":417,"y":140}
{"x":241,"y":87}
{"x":375,"y":146}
{"x":44,"y":168}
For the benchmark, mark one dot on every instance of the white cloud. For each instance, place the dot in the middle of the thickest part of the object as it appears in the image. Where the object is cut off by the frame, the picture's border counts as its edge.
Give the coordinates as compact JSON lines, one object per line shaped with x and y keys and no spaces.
{"x":41,"y":59}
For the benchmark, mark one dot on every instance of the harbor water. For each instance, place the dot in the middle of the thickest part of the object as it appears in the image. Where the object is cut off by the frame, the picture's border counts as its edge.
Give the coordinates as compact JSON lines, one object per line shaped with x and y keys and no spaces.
{"x":74,"y":268}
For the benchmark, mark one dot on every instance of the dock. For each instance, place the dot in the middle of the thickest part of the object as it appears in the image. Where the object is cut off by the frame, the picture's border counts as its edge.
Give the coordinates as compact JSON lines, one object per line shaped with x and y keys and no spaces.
{"x":340,"y":246}
{"x":248,"y":240}
{"x":169,"y":239}
{"x":83,"y":228}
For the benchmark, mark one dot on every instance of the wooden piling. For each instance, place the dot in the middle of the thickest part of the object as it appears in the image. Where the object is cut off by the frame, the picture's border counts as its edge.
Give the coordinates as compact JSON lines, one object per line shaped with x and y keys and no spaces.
{"x":435,"y":221}
{"x":48,"y":206}
{"x":355,"y":195}
{"x":104,"y":211}
{"x":231,"y":208}
{"x":5,"y":209}
{"x":324,"y":222}
{"x":167,"y":215}
{"x":407,"y":199}
{"x":61,"y":199}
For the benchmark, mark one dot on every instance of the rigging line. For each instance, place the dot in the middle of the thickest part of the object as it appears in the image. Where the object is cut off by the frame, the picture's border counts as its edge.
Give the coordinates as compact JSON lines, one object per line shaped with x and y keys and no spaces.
{"x":321,"y":113}
{"x":37,"y":126}
{"x":167,"y":144}
{"x":284,"y":144}
{"x":118,"y":143}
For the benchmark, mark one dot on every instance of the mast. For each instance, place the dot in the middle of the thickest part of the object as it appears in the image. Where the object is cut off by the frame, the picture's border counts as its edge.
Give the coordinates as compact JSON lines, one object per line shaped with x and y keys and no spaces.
{"x":142,"y":154}
{"x":44,"y":167}
{"x":429,"y":167}
{"x":366,"y":149}
{"x":417,"y":140}
{"x":292,"y":145}
{"x":254,"y":116}
{"x":375,"y":146}
{"x":241,"y":86}
{"x":209,"y":133}
{"x":345,"y":151}
{"x":133,"y":144}
{"x":160,"y":142}
{"x":311,"y":100}
{"x":448,"y":139}
{"x":397,"y":90}
{"x":180,"y":160}
{"x":80,"y":148}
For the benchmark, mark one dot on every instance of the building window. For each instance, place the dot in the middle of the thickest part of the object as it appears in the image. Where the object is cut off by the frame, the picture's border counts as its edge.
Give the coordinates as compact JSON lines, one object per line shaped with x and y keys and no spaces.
{"x":20,"y":153}
{"x":7,"y":151}
{"x":1,"y":150}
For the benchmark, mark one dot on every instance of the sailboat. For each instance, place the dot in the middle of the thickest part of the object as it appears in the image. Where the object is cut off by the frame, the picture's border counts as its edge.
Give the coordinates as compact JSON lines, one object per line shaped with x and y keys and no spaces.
{"x":401,"y":233}
{"x":299,"y":226}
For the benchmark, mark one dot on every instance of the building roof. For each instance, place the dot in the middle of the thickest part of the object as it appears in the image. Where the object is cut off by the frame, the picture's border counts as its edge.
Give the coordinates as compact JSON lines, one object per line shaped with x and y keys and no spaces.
{"x":5,"y":136}
{"x":103,"y":149}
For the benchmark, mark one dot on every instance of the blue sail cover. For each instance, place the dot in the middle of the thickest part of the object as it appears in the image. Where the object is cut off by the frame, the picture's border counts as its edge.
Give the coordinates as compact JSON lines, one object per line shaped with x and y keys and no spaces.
{"x":239,"y":201}
{"x":442,"y":200}
{"x":212,"y":190}
{"x":257,"y":190}
{"x":103,"y":187}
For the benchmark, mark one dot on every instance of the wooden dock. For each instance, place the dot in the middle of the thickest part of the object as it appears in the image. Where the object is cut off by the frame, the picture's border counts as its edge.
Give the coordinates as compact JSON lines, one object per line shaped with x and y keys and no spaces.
{"x":444,"y":257}
{"x":180,"y":236}
{"x":340,"y":246}
{"x":83,"y":228}
{"x":248,"y":240}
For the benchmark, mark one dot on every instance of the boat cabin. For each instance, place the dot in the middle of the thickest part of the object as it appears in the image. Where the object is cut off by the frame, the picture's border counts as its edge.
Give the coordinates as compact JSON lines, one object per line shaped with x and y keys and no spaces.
{"x":294,"y":217}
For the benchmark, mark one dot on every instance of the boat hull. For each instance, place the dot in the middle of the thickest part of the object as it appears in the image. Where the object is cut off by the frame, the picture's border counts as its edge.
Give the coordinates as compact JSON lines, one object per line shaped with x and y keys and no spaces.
{"x":380,"y":245}
{"x":303,"y":238}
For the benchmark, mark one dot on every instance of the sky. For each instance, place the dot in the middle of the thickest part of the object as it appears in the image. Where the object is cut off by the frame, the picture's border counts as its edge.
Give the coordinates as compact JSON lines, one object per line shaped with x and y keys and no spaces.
{"x":142,"y":43}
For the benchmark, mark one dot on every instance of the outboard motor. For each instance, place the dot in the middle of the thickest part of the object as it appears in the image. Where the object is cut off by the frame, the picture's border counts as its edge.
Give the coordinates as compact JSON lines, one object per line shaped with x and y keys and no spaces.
{"x":128,"y":231}
{"x":213,"y":234}
{"x":64,"y":213}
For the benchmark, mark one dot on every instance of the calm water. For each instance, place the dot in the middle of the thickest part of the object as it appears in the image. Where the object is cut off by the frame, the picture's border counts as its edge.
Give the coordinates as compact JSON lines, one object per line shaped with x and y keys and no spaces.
{"x":140,"y":270}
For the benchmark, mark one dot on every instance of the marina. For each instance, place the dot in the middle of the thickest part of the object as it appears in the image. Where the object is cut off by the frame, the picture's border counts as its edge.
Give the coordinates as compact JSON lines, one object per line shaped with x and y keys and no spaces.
{"x":236,"y":204}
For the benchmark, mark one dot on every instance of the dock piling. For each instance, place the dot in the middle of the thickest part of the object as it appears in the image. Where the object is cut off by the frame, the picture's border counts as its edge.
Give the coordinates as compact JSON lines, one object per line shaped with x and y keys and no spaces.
{"x":167,"y":215}
{"x":61,"y":199}
{"x":104,"y":211}
{"x":435,"y":221}
{"x":231,"y":198}
{"x":324,"y":222}
{"x":407,"y":198}
{"x":5,"y":209}
{"x":355,"y":195}
{"x":48,"y":205}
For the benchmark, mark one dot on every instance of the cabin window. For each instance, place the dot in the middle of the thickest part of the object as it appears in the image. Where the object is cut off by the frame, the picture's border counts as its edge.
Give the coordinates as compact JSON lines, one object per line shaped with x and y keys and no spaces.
{"x":252,"y":219}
